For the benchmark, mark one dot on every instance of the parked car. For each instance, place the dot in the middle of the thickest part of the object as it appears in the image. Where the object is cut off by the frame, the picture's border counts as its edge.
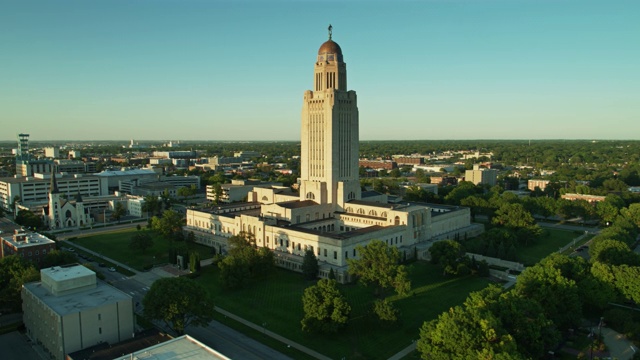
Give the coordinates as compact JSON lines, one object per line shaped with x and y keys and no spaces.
{"x":102,"y":264}
{"x":112,"y":269}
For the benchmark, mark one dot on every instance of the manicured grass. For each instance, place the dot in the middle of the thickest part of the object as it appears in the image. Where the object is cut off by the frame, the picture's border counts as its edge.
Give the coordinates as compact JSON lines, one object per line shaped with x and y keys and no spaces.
{"x":277,"y":301}
{"x":544,"y":246}
{"x":115,"y":245}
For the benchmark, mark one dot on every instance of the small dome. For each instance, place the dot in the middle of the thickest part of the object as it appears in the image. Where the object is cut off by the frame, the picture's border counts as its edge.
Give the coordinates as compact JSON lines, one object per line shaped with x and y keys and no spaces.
{"x":331,"y":47}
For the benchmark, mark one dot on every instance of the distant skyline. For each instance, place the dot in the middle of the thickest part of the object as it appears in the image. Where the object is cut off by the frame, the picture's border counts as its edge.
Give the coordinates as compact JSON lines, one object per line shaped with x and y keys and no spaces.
{"x":237,"y":70}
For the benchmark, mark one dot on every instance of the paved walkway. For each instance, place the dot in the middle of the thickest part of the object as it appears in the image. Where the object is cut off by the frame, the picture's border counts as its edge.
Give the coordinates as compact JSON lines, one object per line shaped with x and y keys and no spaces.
{"x":284,"y":340}
{"x":404,"y":352}
{"x":619,"y":347}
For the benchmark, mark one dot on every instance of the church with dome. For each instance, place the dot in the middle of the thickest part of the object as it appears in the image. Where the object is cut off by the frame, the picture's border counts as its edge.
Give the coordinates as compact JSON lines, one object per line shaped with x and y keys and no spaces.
{"x":330,"y":214}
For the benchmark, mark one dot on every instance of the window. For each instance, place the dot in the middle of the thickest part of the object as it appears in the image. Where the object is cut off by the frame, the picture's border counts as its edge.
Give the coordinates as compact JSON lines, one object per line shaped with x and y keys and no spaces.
{"x":354,"y":252}
{"x":298,"y":246}
{"x":335,"y":255}
{"x":287,"y":243}
{"x":325,"y":252}
{"x":37,"y":252}
{"x":346,"y":254}
{"x":99,"y":316}
{"x":280,"y":242}
{"x":99,"y":330}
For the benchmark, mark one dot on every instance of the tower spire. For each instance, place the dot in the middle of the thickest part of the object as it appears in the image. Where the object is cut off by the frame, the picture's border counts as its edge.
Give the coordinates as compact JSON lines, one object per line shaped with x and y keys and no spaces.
{"x":53,"y":189}
{"x":330,"y":31}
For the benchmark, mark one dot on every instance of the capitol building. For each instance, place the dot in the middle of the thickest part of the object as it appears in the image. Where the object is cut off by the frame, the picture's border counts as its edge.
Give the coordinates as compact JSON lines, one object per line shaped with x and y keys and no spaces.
{"x":330,"y":215}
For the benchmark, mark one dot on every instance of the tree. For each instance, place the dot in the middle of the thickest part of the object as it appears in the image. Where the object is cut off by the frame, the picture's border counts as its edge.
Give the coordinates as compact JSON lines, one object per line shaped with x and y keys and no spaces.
{"x":234,"y":272}
{"x":613,"y":252}
{"x":217,"y":192}
{"x":446,"y":254}
{"x":632,"y":213}
{"x":141,"y":241}
{"x":609,"y":209}
{"x":325,"y":308}
{"x":463,"y":190}
{"x":515,"y":217}
{"x":15,"y":271}
{"x":385,"y":310}
{"x":118,"y":211}
{"x":29,"y":219}
{"x":557,"y":294}
{"x":245,"y":261}
{"x":194,"y":261}
{"x":178,"y":302}
{"x":57,"y":258}
{"x":169,"y":225}
{"x":466,"y":333}
{"x":151,"y":205}
{"x":310,"y":265}
{"x":378,"y":266}
{"x":166,"y":199}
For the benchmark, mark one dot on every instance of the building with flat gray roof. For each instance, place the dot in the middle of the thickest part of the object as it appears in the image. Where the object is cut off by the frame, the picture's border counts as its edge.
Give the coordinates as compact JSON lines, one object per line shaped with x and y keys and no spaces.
{"x":28,"y":245}
{"x":69,"y":310}
{"x":181,"y":348}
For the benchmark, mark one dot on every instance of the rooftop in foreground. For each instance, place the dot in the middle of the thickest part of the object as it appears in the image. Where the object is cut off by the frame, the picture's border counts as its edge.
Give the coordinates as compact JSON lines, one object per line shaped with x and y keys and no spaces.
{"x":181,"y":348}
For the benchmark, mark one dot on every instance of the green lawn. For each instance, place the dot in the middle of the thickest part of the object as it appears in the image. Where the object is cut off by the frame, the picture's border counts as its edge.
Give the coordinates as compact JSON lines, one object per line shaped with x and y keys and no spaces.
{"x":544,"y":246}
{"x":277,"y":301}
{"x":115,"y":245}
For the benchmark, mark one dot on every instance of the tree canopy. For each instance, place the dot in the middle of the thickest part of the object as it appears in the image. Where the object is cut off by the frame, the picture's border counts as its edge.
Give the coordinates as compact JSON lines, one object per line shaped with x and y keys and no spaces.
{"x":244,"y":261}
{"x":378,"y":265}
{"x":141,"y":241}
{"x":14,"y":272}
{"x":310,"y":265}
{"x":325,"y":308}
{"x":178,"y":302}
{"x":169,"y":225}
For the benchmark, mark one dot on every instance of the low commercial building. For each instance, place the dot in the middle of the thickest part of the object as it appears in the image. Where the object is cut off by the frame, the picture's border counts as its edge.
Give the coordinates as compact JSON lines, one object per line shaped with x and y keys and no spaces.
{"x":28,"y":245}
{"x":69,"y":310}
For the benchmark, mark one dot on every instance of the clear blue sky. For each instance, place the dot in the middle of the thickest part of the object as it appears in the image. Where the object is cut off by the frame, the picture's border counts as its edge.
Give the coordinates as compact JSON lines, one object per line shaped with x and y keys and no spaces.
{"x":237,"y":70}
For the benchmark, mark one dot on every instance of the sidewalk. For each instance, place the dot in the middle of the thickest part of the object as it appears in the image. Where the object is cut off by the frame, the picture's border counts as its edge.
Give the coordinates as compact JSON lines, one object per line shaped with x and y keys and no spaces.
{"x":404,"y":352}
{"x":297,"y":346}
{"x":619,"y":347}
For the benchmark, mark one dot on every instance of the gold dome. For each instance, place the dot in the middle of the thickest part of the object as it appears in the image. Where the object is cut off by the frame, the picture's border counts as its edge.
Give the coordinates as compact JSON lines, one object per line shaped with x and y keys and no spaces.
{"x":331,"y":47}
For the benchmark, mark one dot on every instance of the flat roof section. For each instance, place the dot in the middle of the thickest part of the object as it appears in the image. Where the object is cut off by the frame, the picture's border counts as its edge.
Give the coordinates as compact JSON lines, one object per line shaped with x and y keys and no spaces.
{"x":75,"y":302}
{"x":181,"y":348}
{"x":32,"y":239}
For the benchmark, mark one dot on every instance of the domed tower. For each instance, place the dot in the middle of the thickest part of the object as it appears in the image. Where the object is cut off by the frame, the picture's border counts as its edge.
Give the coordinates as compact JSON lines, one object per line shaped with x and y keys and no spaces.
{"x":329,"y":154}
